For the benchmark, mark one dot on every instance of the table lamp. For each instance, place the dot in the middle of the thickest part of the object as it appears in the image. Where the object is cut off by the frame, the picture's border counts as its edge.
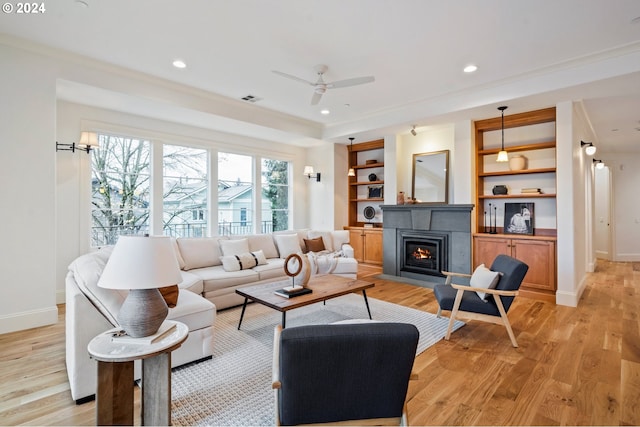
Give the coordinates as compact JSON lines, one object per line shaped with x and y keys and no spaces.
{"x":141,"y":265}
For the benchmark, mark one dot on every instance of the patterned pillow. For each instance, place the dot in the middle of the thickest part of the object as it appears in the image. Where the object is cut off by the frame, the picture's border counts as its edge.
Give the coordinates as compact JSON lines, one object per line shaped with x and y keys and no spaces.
{"x":243,"y":261}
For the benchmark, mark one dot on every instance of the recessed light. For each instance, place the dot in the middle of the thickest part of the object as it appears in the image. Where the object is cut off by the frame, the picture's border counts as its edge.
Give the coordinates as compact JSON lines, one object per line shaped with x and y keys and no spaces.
{"x":325,"y":112}
{"x":470,"y":68}
{"x":179,"y":63}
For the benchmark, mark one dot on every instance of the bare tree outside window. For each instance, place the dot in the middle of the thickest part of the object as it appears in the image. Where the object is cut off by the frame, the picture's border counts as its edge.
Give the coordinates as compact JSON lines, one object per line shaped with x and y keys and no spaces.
{"x":120,"y":189}
{"x":275,"y":188}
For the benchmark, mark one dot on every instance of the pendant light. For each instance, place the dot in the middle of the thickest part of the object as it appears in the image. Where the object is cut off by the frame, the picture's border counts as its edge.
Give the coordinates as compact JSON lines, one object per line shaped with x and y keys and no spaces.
{"x":352,"y":171}
{"x":502,"y":155}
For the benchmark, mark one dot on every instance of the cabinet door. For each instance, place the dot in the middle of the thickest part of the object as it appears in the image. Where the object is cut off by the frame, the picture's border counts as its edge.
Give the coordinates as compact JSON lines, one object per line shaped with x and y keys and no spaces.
{"x":373,"y":246}
{"x":356,"y":240}
{"x":485,"y":250}
{"x":540,"y":256}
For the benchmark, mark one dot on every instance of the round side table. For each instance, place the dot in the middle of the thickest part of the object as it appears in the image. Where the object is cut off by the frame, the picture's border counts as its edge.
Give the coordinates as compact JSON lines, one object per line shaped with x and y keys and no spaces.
{"x":114,"y":396}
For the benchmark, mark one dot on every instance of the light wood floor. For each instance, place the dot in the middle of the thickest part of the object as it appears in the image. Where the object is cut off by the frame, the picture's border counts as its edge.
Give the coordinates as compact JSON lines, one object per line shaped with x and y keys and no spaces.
{"x":574,"y":366}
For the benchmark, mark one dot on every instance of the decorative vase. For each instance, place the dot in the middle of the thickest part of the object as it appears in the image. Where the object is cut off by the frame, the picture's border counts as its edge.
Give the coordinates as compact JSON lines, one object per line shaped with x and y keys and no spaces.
{"x":517,"y":162}
{"x":303,"y":278}
{"x":400,"y":199}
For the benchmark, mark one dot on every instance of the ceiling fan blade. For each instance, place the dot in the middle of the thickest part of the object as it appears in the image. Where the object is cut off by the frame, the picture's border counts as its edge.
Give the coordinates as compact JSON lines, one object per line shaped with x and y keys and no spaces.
{"x":351,"y":82}
{"x":289,"y":76}
{"x":315,"y":98}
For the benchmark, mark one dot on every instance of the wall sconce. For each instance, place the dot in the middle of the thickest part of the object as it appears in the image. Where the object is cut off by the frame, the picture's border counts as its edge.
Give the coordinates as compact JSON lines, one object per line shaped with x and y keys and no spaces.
{"x":308,"y":171}
{"x":589,"y":148}
{"x":599,"y":163}
{"x":88,"y":142}
{"x":413,"y":130}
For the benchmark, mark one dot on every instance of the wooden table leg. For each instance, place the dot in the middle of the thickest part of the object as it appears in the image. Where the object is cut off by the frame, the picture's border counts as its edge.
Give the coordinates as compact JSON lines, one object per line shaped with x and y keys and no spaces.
{"x":156,"y":390}
{"x":114,"y":396}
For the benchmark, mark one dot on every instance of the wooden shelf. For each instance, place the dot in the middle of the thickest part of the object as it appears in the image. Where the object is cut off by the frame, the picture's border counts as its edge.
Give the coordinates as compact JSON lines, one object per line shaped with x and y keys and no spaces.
{"x":369,"y":166}
{"x":527,"y":147}
{"x":367,"y":183}
{"x":372,"y":199}
{"x":521,"y":172}
{"x":516,"y":196}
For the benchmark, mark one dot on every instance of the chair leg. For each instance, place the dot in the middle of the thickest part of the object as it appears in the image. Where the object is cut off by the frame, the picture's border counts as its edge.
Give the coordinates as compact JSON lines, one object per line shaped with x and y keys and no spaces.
{"x":439,"y":313}
{"x":454,"y":313}
{"x":505,"y":321}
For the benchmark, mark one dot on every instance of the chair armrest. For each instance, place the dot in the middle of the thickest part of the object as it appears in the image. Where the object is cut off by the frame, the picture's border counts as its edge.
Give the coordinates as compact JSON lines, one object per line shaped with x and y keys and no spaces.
{"x":347,"y":250}
{"x":488,"y":291}
{"x":275,"y":375}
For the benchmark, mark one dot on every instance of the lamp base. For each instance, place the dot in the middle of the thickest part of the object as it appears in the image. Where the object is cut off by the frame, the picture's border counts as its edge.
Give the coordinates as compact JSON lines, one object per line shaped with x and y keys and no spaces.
{"x":142,"y":312}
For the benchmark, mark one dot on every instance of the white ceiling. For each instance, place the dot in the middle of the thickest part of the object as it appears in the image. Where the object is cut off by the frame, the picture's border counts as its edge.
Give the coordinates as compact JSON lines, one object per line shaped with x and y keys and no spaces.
{"x":530,"y":54}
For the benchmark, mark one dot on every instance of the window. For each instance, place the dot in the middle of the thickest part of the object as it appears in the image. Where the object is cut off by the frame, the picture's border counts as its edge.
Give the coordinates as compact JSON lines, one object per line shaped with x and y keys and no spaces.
{"x":275,"y":195}
{"x":119,"y":189}
{"x":235,"y":194}
{"x":185,"y":190}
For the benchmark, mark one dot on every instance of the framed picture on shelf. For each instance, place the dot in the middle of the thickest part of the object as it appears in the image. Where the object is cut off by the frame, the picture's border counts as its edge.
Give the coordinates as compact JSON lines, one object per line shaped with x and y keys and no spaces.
{"x":376,"y":192}
{"x":518,"y":218}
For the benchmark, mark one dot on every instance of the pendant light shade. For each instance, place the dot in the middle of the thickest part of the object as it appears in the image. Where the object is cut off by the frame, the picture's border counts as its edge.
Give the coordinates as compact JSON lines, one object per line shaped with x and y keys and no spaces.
{"x":502,"y":155}
{"x":352,"y":171}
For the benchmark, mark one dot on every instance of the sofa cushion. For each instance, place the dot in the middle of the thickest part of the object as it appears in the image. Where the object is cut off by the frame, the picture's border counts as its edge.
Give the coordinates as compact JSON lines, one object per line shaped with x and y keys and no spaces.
{"x":216,"y":277}
{"x":243,"y":261}
{"x":484,"y":278}
{"x":273,"y":269}
{"x":340,"y":237}
{"x":264,"y":243}
{"x":198,"y":252}
{"x":287,"y":244}
{"x":193,"y":310}
{"x":314,"y":245}
{"x":234,"y":247}
{"x":326,"y":238}
{"x":191,"y":282}
{"x":86,"y":271}
{"x":170,"y":295}
{"x":176,"y":248}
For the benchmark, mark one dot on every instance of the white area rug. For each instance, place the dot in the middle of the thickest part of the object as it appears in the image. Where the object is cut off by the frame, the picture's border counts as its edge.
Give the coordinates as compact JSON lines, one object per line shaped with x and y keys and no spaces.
{"x":234,"y":388}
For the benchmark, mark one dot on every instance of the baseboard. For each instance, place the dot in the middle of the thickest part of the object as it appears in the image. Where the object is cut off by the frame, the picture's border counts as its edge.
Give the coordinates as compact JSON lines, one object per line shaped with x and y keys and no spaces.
{"x":628,"y":257}
{"x":28,"y":319}
{"x":60,"y":296}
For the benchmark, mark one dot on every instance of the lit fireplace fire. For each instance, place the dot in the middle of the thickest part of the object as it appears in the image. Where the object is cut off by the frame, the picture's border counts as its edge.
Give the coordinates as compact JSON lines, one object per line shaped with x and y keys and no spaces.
{"x":422,"y":254}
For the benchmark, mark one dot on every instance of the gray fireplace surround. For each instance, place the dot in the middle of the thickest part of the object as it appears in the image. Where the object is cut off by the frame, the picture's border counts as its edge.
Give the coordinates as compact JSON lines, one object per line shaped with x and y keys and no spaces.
{"x":454,"y":221}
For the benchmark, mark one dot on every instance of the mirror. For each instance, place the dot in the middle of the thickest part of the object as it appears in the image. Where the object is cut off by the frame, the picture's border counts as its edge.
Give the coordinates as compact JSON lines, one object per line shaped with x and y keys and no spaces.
{"x":430,"y":182}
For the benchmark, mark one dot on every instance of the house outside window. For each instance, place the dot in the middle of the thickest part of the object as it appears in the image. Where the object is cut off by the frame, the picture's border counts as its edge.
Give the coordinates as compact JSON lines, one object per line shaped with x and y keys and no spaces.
{"x":185,"y":190}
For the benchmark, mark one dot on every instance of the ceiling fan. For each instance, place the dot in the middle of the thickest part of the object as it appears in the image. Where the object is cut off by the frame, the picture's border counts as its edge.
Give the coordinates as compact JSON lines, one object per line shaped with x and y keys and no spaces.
{"x":320,"y":86}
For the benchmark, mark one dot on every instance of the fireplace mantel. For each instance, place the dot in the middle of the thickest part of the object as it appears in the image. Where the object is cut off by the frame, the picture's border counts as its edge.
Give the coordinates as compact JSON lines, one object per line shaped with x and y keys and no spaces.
{"x":453,"y":220}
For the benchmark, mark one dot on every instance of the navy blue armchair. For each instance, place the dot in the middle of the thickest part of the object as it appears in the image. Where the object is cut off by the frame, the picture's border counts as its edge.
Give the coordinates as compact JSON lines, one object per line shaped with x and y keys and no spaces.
{"x":343,"y":373}
{"x":464,"y":301}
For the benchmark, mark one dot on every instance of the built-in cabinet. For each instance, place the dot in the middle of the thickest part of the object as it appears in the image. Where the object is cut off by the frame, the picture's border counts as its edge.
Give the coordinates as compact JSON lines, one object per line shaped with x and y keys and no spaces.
{"x":367,"y":244}
{"x":538,"y":252}
{"x":531,"y":135}
{"x":366,"y":195}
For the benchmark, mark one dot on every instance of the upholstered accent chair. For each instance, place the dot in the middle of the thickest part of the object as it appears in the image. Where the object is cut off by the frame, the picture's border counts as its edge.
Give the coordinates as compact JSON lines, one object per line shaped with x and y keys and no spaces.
{"x":489,"y":296}
{"x":354,"y":374}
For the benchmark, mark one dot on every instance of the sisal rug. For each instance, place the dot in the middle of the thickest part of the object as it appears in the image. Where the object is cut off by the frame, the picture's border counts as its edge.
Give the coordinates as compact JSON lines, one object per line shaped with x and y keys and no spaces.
{"x":234,"y":387}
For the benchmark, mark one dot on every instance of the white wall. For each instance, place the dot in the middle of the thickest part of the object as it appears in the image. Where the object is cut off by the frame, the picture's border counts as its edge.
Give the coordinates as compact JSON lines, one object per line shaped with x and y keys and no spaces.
{"x":322,"y":200}
{"x":28,"y":221}
{"x":625,"y":177}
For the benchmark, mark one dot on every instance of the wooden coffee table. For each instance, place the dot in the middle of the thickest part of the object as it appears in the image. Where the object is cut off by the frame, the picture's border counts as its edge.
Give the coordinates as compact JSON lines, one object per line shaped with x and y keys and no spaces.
{"x":324,"y":287}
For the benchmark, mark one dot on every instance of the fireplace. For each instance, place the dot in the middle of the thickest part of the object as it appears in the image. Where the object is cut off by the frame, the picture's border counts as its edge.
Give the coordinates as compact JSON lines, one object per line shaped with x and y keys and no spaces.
{"x":424,"y":252}
{"x":447,"y":230}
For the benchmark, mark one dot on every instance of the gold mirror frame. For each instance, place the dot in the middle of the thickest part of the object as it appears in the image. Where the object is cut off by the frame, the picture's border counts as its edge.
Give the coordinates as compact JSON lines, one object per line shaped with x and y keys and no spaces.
{"x":430,"y":177}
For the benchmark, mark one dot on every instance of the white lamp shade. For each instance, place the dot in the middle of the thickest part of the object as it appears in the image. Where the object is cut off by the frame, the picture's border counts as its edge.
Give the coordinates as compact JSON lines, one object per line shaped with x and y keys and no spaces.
{"x":139,"y":262}
{"x":502,"y":156}
{"x":352,"y":172}
{"x":590,"y":150}
{"x":308,"y":170}
{"x":89,"y":139}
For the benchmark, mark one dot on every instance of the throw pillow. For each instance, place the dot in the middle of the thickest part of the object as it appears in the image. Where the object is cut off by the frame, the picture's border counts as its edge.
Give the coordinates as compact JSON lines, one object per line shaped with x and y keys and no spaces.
{"x":263,"y":242}
{"x":260,"y":257}
{"x":314,"y":245}
{"x":287,"y":244}
{"x":326,"y":238}
{"x":340,"y":237}
{"x":234,"y":246}
{"x":484,"y":278}
{"x":170,"y":295}
{"x":239,"y":262}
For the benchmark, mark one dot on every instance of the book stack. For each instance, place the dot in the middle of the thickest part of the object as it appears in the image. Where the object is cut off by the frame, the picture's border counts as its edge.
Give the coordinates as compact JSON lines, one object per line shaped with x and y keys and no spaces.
{"x":292,"y":291}
{"x":530,"y":191}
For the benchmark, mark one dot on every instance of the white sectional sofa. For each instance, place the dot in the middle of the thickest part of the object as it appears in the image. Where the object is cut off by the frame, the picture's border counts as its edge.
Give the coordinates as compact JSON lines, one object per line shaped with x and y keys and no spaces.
{"x":211,"y":272}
